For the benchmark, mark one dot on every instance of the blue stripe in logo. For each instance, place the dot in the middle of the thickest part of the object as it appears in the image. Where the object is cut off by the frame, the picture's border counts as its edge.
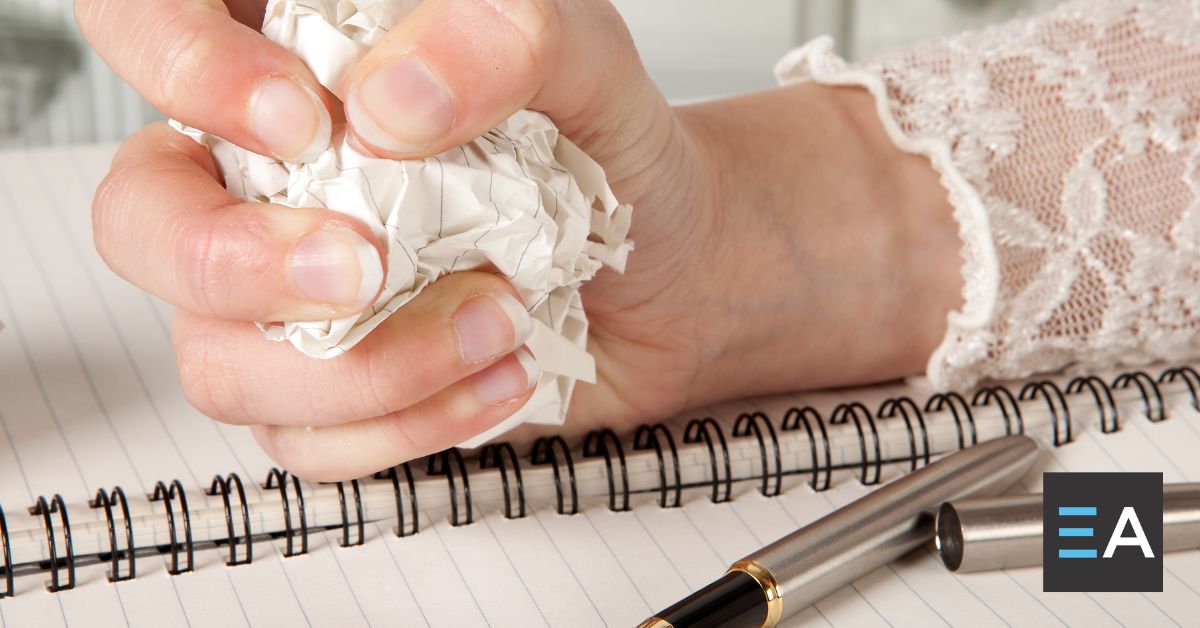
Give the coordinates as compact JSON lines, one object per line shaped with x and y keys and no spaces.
{"x":1076,"y":511}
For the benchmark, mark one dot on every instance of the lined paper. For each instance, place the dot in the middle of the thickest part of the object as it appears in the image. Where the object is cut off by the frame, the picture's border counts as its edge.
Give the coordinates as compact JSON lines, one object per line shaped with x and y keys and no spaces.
{"x":89,"y":398}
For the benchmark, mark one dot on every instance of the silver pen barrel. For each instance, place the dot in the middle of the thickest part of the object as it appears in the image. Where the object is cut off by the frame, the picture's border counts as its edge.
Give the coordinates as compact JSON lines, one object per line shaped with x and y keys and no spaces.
{"x":845,"y":545}
{"x":1002,"y":532}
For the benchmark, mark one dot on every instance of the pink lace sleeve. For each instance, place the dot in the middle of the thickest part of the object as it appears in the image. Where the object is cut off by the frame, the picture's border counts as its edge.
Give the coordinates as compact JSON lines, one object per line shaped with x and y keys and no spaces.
{"x":1068,"y":143}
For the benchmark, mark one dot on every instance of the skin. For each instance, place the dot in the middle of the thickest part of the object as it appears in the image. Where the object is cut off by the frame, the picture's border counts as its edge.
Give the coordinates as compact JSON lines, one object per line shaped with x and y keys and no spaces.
{"x":782,"y":240}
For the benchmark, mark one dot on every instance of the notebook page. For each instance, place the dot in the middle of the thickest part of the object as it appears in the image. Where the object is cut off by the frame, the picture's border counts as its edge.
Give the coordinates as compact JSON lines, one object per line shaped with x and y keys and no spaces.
{"x":78,"y":357}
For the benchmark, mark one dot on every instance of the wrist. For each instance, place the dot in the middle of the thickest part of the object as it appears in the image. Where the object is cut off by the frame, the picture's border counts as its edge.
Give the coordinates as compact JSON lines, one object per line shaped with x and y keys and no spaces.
{"x":842,"y":251}
{"x":913,"y":211}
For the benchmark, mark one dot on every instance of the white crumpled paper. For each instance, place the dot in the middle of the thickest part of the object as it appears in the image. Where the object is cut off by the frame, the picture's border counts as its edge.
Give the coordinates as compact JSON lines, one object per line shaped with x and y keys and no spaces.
{"x":521,"y":199}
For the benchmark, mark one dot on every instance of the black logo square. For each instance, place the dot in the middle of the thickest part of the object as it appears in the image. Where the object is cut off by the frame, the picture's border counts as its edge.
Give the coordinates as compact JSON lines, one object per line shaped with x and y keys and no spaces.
{"x":1097,"y":529}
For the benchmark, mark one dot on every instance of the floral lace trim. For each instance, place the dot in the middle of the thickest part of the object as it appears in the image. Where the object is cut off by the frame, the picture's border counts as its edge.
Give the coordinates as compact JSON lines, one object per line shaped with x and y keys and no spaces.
{"x":1069,"y":144}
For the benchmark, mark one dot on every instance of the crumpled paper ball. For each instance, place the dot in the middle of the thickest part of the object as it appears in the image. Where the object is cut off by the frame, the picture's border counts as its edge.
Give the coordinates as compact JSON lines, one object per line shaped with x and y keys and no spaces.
{"x":521,"y":199}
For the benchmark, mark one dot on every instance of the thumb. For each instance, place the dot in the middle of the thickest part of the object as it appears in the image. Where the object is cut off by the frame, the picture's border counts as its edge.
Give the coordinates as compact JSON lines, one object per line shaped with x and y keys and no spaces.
{"x":453,"y":69}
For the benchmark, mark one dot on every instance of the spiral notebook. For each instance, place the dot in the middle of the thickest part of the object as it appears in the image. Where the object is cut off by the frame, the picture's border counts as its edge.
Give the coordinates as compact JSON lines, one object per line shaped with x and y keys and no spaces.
{"x":96,"y":439}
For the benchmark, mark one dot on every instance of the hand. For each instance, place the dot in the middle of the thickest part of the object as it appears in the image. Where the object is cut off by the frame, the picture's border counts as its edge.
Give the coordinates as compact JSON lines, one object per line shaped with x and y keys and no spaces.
{"x":763,"y":261}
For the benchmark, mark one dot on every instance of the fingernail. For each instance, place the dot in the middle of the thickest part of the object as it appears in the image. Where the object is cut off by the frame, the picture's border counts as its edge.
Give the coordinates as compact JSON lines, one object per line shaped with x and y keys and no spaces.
{"x":491,"y":325}
{"x":401,"y":106}
{"x":337,"y":266}
{"x":508,"y":379}
{"x":290,"y":120}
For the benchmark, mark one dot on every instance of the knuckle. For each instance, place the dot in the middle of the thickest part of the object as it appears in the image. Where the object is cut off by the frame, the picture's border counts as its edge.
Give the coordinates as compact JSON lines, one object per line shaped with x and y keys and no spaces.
{"x":176,"y":58}
{"x":273,"y":440}
{"x":212,"y":385}
{"x":284,"y":446}
{"x":199,"y":262}
{"x":379,"y":387}
{"x":532,"y":17}
{"x":121,"y":224}
{"x":90,"y":15}
{"x":537,"y":22}
{"x":198,"y":371}
{"x":83,"y":15}
{"x":218,"y":253}
{"x":180,"y":54}
{"x":405,"y":372}
{"x":439,"y":422}
{"x":406,"y":443}
{"x":106,"y":217}
{"x":294,"y":448}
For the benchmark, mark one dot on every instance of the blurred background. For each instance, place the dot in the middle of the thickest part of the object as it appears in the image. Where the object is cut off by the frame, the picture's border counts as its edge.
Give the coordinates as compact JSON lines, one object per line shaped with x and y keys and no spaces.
{"x":54,"y":90}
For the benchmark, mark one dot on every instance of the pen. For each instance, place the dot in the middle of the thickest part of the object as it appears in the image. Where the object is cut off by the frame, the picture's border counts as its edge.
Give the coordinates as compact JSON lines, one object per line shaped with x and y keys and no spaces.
{"x":1001,"y":532}
{"x":822,"y":557}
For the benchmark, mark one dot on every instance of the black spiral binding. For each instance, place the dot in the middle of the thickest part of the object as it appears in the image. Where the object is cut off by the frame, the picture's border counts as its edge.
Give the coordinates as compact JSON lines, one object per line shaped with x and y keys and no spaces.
{"x":105,"y":501}
{"x":758,"y":422}
{"x":222,"y":486}
{"x":858,"y":412}
{"x":654,"y":436}
{"x":705,"y":429}
{"x":1102,"y":394}
{"x":792,"y":420}
{"x":56,"y":505}
{"x":907,"y":409}
{"x":958,"y":407}
{"x":168,"y":495}
{"x":1155,"y":410}
{"x":1189,"y":376}
{"x":391,"y":474}
{"x":9,"y":589}
{"x":358,"y":513}
{"x":1056,"y":402}
{"x":605,"y":443}
{"x":277,"y":479}
{"x":502,"y":456}
{"x":1007,"y":403}
{"x":554,"y":450}
{"x":439,"y":464}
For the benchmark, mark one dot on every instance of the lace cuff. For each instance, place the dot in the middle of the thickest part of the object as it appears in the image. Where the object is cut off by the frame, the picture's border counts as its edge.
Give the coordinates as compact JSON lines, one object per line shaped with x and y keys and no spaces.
{"x":1068,"y":146}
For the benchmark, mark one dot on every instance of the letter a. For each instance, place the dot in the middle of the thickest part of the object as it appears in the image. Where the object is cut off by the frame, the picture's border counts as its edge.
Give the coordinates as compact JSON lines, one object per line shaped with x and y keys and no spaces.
{"x":1128,"y":516}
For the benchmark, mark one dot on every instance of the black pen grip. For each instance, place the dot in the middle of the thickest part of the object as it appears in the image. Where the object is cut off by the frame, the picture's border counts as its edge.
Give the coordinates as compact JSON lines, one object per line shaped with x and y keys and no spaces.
{"x":736,"y":600}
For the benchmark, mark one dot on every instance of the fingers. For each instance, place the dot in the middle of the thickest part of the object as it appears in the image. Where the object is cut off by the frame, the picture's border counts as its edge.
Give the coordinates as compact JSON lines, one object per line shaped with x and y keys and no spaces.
{"x":195,"y":63}
{"x":163,"y":221}
{"x":453,"y":69}
{"x":453,"y":329}
{"x":351,"y":450}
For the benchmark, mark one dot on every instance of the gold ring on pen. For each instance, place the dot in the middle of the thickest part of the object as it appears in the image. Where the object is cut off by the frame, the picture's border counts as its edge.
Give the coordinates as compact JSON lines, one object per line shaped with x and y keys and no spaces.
{"x":770,"y":587}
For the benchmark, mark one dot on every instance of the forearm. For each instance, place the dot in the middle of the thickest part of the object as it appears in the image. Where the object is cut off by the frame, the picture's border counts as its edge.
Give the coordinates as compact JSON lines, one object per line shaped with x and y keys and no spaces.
{"x":1067,"y":142}
{"x":849,"y":256}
